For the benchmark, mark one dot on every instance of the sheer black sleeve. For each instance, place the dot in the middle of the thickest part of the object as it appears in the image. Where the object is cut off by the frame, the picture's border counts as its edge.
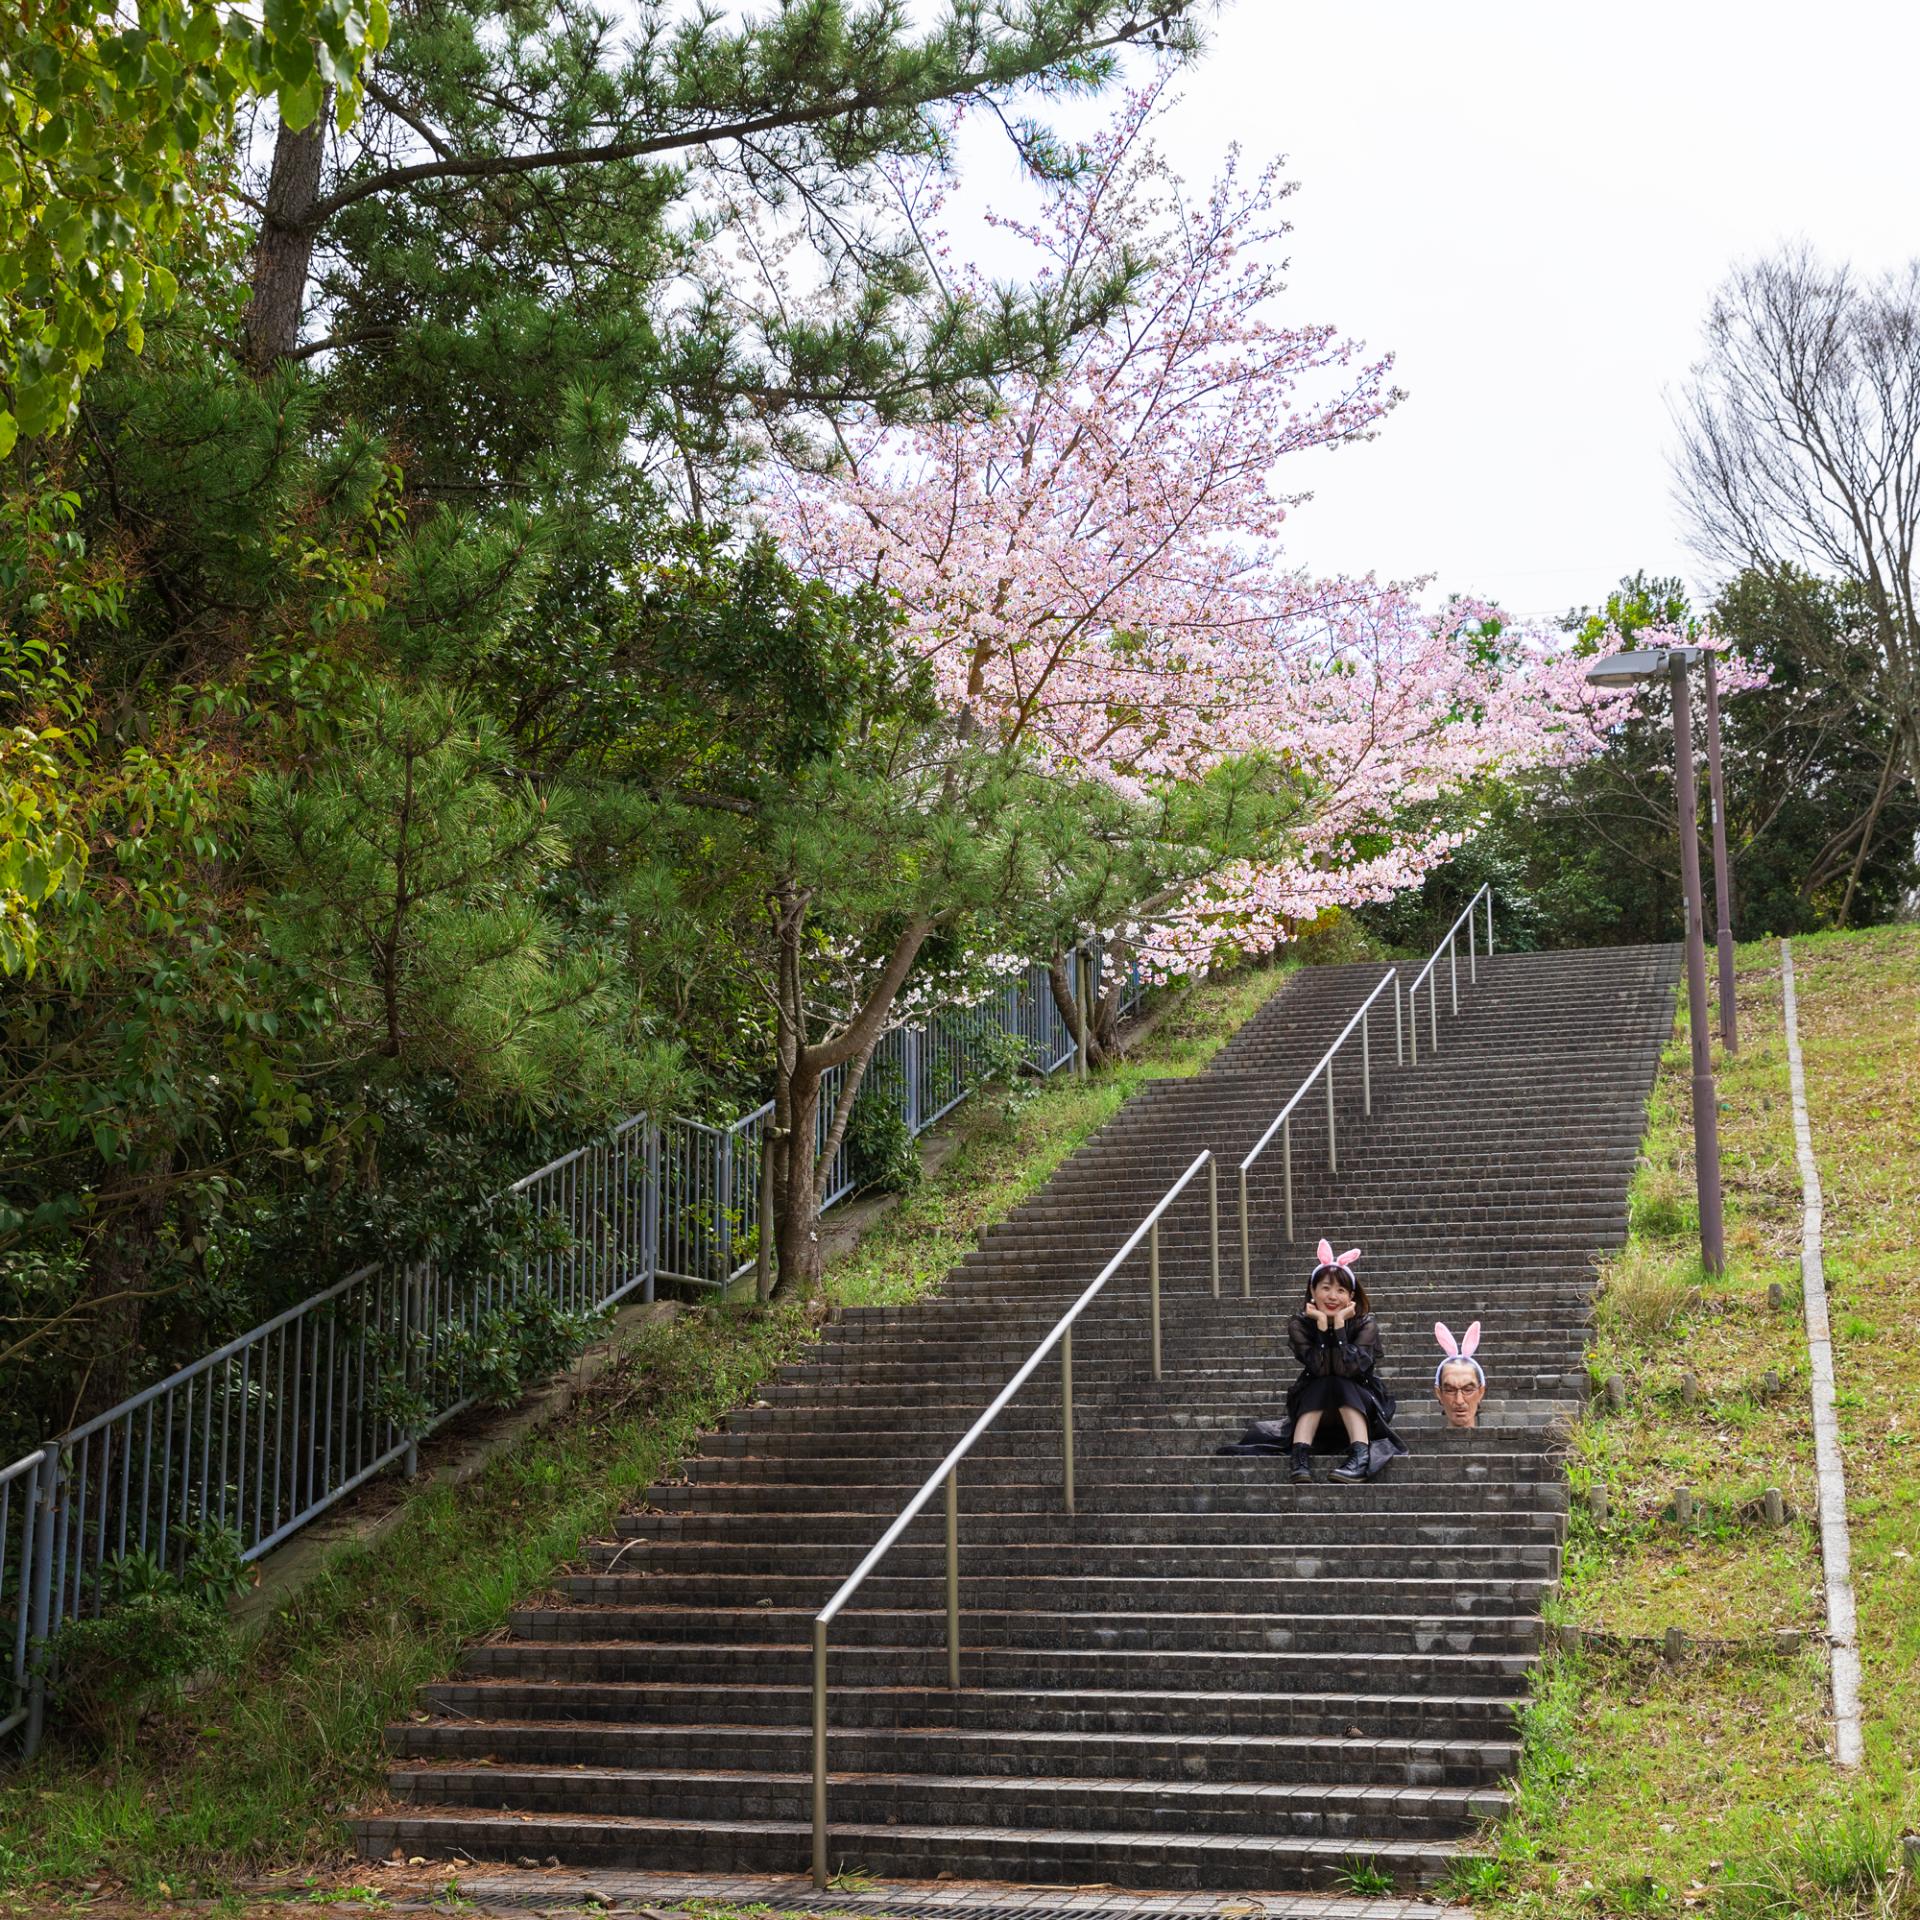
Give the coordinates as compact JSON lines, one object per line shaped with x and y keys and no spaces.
{"x":1311,"y":1347}
{"x":1357,"y":1350}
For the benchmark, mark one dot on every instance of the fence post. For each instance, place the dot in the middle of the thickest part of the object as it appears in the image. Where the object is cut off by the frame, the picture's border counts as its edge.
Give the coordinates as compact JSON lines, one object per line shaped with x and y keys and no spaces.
{"x":650,"y":1207}
{"x":1082,"y":999}
{"x":412,"y":1318}
{"x":725,"y":1197}
{"x":910,"y":1060}
{"x":763,"y":1266}
{"x":39,"y":1626}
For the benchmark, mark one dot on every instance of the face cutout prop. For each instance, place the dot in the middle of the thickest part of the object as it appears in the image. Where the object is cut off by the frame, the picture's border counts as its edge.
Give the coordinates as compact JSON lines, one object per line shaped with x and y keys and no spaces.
{"x":1459,"y":1381}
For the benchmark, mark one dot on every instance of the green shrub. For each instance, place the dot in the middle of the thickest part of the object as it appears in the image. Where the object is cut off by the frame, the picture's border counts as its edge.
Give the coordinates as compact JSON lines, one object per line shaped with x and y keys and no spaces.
{"x":156,"y":1630}
{"x":881,"y":1152}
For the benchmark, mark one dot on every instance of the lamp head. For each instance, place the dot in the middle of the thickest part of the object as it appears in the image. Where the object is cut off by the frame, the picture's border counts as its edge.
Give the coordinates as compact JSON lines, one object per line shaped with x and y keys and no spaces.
{"x":1640,"y":664}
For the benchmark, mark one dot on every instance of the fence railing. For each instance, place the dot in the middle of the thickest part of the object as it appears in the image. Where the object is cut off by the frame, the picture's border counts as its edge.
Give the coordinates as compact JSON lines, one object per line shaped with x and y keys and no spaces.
{"x":260,"y":1436}
{"x":946,"y":1474}
{"x":1449,"y":947}
{"x":1282,"y":1122}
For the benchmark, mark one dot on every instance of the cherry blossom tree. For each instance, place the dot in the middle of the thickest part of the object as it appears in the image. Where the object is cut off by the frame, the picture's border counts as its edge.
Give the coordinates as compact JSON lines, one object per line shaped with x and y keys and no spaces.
{"x":1091,"y":570}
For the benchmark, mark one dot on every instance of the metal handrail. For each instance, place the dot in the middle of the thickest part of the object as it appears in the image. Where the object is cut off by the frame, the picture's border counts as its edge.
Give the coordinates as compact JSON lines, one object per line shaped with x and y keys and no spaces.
{"x":1282,"y":1122}
{"x":948,"y":1469}
{"x":1449,"y":945}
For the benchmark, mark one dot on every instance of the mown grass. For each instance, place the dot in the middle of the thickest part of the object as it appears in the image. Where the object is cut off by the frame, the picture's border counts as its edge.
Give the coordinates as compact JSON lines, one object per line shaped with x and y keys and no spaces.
{"x":1708,"y":1785}
{"x":258,"y":1771}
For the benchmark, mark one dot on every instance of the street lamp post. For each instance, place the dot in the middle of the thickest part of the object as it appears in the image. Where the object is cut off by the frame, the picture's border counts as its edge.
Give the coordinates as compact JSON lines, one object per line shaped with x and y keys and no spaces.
{"x":1625,"y":669}
{"x":1706,"y":1107}
{"x":1722,"y":885}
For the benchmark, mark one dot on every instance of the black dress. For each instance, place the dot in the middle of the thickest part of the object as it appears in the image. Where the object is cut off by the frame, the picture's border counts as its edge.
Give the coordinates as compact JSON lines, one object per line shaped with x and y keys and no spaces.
{"x":1339,"y":1367}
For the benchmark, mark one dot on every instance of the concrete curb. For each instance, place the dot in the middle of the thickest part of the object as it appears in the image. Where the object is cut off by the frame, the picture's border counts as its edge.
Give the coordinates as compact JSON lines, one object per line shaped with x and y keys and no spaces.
{"x":1836,"y":1551}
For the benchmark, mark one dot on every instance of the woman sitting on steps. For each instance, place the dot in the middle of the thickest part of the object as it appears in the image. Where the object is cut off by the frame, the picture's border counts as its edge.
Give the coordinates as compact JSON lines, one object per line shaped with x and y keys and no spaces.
{"x":1337,"y":1342}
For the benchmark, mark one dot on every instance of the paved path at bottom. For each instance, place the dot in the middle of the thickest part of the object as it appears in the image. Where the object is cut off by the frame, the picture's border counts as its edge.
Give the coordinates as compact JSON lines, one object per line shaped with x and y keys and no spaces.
{"x":570,"y":1891}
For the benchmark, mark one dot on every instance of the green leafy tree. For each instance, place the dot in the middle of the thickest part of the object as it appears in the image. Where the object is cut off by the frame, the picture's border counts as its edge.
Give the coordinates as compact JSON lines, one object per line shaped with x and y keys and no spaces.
{"x":111,"y":129}
{"x":1819,"y":829}
{"x":535,"y":197}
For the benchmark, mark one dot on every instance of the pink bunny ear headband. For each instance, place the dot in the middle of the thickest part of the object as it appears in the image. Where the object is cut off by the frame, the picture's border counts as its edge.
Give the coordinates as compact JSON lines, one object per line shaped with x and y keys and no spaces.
{"x":1458,"y":1350}
{"x":1330,"y":1262}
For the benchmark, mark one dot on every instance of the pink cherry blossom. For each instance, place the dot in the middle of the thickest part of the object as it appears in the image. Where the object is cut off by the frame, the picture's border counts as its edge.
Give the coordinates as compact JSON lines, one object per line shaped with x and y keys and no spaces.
{"x":1094,"y":568}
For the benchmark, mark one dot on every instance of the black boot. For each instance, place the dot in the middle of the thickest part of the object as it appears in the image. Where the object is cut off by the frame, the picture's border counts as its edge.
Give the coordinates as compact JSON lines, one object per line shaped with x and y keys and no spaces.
{"x":1354,"y":1466}
{"x":1302,"y":1467}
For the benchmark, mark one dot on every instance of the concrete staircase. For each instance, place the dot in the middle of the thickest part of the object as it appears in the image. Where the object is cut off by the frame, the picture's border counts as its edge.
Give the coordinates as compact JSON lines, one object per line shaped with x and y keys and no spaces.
{"x":1207,"y":1678}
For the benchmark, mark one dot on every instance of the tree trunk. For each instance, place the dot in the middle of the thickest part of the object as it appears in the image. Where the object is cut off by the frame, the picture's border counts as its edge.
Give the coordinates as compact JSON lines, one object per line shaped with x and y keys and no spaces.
{"x":118,"y":1283}
{"x":797,"y":1239}
{"x":283,"y":249}
{"x":802,"y":1067}
{"x":1866,"y":831}
{"x":1103,"y":1030}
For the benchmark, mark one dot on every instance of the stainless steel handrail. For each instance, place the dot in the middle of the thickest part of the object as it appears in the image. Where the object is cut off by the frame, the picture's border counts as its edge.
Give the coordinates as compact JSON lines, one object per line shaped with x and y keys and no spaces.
{"x":947,"y":1471}
{"x":1282,"y":1122}
{"x":1449,"y":945}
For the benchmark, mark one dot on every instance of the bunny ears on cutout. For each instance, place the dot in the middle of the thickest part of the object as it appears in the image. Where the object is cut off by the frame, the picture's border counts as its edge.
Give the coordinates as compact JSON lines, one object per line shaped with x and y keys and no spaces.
{"x":1458,"y":1350}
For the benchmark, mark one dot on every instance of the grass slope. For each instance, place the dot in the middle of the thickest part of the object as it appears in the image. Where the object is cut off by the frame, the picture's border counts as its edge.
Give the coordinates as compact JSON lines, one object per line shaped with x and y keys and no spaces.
{"x":1705,"y":1784}
{"x":258,"y":1772}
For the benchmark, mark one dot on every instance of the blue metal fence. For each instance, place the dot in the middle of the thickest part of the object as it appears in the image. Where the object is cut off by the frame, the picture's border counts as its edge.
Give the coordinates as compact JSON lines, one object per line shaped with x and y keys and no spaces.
{"x":271,"y":1429}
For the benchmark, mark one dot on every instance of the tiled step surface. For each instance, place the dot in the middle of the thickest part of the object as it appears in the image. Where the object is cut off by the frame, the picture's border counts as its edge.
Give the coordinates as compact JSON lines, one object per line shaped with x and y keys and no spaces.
{"x":1206,"y":1677}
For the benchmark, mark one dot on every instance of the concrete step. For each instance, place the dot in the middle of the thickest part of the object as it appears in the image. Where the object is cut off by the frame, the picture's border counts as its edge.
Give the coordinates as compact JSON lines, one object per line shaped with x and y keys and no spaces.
{"x":1155,"y":1690}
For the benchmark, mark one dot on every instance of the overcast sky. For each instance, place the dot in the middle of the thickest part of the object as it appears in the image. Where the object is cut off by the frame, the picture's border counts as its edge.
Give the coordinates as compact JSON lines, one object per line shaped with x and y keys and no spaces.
{"x":1530,"y":205}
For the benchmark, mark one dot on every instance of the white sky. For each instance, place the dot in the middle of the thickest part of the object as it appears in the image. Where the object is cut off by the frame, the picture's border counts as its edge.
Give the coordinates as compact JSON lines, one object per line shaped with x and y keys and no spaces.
{"x":1530,"y":203}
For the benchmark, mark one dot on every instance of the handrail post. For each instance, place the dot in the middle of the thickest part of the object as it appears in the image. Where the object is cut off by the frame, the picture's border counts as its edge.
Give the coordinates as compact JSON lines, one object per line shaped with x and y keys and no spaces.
{"x":1413,"y":1020}
{"x":820,"y":1754}
{"x":1433,"y":1011}
{"x":1366,"y":1066}
{"x":1066,"y":1413}
{"x":953,"y":1568}
{"x":1489,"y":923}
{"x":1246,"y":1243}
{"x":1453,"y":970}
{"x":1153,"y":1290}
{"x":1473,"y":948}
{"x":1333,"y":1156}
{"x":1286,"y":1161}
{"x":1213,"y":1219}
